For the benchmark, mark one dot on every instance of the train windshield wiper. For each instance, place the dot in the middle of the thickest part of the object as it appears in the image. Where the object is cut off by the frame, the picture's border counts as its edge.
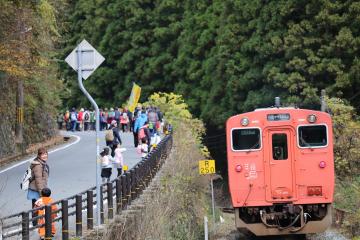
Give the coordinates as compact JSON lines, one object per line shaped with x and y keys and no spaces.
{"x":303,"y":142}
{"x":253,"y":147}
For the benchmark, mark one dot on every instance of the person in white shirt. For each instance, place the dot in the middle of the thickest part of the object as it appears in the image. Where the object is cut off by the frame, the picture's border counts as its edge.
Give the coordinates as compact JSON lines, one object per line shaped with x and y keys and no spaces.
{"x":106,"y":166}
{"x":144,"y":148}
{"x":119,"y":159}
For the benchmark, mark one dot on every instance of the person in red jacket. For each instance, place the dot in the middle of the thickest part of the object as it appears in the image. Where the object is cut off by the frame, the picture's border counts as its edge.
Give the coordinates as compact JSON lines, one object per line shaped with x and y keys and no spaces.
{"x":80,"y":119}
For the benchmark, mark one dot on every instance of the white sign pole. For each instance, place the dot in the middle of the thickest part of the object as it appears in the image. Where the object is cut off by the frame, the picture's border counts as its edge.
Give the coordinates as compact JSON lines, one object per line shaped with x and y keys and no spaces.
{"x":212,"y":198}
{"x":206,"y":232}
{"x":98,"y":166}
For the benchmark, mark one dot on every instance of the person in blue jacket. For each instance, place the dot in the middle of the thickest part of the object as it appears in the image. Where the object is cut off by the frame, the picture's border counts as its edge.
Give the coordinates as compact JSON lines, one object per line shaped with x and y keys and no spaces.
{"x":139,"y":122}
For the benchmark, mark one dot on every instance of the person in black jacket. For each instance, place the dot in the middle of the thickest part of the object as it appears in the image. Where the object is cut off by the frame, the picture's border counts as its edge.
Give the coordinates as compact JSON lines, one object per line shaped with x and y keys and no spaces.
{"x":117,"y":140}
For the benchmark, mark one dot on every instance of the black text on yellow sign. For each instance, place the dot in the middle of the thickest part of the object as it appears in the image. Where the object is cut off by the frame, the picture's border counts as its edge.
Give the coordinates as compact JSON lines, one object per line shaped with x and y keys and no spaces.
{"x":206,"y":167}
{"x":19,"y":115}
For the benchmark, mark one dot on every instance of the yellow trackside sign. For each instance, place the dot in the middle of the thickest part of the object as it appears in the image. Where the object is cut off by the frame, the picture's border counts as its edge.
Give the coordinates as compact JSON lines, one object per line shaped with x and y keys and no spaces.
{"x":134,"y":97}
{"x":206,"y":167}
{"x":125,"y":167}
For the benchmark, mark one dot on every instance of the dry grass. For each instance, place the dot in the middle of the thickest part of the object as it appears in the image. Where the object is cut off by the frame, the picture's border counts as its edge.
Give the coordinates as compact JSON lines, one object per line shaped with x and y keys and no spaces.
{"x":177,"y":205}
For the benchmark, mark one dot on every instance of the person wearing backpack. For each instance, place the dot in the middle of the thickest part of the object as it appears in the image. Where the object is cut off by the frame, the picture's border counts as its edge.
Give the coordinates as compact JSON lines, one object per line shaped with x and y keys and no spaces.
{"x":39,"y":177}
{"x":73,"y":119}
{"x":112,"y":137}
{"x":86,"y":120}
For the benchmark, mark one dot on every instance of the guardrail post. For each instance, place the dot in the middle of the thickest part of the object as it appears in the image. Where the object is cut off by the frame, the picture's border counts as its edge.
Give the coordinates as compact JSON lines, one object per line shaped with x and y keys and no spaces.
{"x":78,"y":210}
{"x":101,"y":204}
{"x":123,"y":190}
{"x":118,"y":195}
{"x":48,"y":220}
{"x":24,"y":224}
{"x":109,"y":189}
{"x":128,"y":188}
{"x":151,"y":167}
{"x":132,"y":185}
{"x":136,"y":185}
{"x":145,"y":173}
{"x":65,"y":219}
{"x":90,"y":209}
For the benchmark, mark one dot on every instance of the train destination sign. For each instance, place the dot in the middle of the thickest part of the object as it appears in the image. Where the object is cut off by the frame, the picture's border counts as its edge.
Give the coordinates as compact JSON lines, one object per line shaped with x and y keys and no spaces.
{"x":278,"y":117}
{"x":206,"y":167}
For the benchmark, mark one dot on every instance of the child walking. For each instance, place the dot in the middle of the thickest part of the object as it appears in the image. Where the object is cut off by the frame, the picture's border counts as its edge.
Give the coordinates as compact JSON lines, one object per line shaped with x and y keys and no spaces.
{"x":119,"y":159}
{"x":106,"y":167}
{"x":144,"y":148}
{"x":45,"y":199}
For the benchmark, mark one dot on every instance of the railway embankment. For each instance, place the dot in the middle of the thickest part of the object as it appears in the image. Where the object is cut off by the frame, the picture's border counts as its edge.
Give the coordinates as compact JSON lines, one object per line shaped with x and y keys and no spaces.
{"x":173,"y":205}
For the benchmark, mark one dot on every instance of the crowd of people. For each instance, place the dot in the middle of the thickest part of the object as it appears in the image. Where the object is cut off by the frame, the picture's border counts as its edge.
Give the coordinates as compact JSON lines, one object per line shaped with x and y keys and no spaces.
{"x":146,"y":124}
{"x":84,"y":119}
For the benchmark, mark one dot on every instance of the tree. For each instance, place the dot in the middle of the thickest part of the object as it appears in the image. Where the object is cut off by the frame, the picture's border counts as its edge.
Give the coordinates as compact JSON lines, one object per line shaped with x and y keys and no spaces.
{"x":26,"y":52}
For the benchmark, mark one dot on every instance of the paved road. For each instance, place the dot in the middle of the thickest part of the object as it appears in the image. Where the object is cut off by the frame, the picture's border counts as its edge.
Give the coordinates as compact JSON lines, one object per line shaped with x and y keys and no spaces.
{"x":72,"y":170}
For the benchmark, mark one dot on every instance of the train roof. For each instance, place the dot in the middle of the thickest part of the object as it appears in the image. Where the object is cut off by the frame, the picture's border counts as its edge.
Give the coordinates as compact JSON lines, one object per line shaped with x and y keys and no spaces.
{"x":262,"y":112}
{"x":275,"y":108}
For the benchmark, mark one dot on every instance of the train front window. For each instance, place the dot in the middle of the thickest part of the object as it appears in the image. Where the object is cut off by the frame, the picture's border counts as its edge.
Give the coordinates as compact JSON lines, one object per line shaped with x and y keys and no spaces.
{"x":246,"y":139}
{"x":312,"y":136}
{"x":279,"y":146}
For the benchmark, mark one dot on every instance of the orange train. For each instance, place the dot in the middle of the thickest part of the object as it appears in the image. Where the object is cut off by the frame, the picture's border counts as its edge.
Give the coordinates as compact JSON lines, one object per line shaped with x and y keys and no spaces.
{"x":281,"y":170}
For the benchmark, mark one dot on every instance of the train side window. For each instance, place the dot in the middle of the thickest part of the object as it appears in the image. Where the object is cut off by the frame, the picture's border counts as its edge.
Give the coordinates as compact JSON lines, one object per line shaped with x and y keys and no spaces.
{"x":312,"y":136}
{"x":246,"y":139}
{"x":279,"y":146}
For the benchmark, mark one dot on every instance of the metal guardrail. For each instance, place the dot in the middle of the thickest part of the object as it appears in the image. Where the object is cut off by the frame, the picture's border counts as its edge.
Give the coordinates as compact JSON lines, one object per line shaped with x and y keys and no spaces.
{"x":125,"y":188}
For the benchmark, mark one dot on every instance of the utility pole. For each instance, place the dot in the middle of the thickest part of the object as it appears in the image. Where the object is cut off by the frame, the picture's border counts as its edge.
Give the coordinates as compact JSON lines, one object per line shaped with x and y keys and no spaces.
{"x":20,"y":88}
{"x":323,"y":103}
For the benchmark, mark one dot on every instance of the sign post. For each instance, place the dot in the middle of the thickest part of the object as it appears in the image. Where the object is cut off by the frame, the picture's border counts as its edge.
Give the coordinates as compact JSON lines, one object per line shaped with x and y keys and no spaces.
{"x":208,"y":167}
{"x":85,"y":59}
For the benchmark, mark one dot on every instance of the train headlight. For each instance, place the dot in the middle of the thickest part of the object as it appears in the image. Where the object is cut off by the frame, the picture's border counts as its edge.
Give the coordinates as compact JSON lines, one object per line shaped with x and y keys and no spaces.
{"x":238,"y":168}
{"x":322,"y":164}
{"x":244,"y":121}
{"x":314,"y":191}
{"x":311,"y":118}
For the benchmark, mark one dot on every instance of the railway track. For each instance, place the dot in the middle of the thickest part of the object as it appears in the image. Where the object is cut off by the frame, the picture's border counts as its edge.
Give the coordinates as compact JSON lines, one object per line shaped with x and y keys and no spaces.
{"x":233,"y":234}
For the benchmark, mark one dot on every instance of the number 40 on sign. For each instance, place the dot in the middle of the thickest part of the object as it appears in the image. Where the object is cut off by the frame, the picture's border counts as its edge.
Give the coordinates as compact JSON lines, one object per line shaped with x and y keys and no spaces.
{"x":206,"y":167}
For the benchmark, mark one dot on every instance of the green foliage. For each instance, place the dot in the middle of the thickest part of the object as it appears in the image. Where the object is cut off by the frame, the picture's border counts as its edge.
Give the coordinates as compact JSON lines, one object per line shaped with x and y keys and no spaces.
{"x":224,"y":57}
{"x":176,"y":112}
{"x":347,"y":163}
{"x":347,"y":199}
{"x":28,"y":33}
{"x":346,"y":138}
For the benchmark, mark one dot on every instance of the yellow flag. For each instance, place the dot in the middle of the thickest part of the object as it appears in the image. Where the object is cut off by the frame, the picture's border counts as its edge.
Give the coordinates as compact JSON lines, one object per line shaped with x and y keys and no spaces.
{"x":134,"y":97}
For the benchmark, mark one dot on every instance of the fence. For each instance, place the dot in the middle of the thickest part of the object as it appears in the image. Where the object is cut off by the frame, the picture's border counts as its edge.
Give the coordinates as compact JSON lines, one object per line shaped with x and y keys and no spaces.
{"x":123,"y":190}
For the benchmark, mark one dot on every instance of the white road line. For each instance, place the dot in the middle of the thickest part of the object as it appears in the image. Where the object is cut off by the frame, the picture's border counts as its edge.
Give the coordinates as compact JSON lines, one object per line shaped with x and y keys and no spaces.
{"x":52,"y":151}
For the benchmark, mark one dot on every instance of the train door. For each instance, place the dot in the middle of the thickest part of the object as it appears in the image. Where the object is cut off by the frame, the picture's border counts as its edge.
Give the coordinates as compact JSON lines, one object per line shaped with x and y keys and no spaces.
{"x":280,"y":160}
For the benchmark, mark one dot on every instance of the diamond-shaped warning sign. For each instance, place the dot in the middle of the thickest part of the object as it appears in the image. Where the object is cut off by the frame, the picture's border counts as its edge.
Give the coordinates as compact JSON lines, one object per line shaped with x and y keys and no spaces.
{"x":90,"y":59}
